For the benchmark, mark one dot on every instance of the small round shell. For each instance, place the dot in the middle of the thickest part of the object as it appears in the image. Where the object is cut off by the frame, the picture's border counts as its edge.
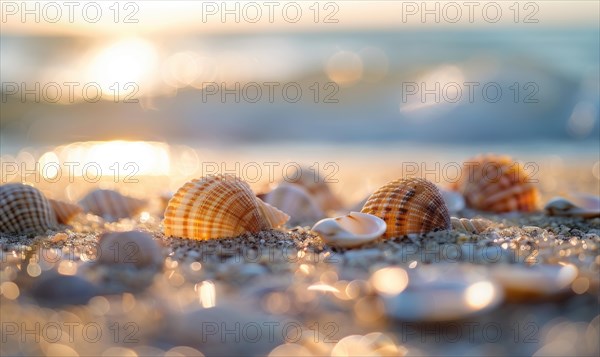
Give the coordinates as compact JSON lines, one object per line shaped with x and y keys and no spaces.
{"x":64,"y":211}
{"x":409,"y":206}
{"x":218,"y":207}
{"x":111,"y":205}
{"x":24,"y":209}
{"x":579,"y":206}
{"x":497,"y":183}
{"x":317,"y":186}
{"x":296,"y":201}
{"x":351,"y":230}
{"x":474,"y":225}
{"x":133,"y":248}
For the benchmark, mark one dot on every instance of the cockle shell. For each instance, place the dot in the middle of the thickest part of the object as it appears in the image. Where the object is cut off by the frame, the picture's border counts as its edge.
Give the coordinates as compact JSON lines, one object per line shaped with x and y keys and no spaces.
{"x":111,"y":205}
{"x":295,"y":201}
{"x":317,"y":186}
{"x":473,"y":225}
{"x":351,"y":230}
{"x":24,"y":209}
{"x":409,"y":206}
{"x":64,"y":211}
{"x":497,"y":184}
{"x":218,"y":206}
{"x":580,"y":206}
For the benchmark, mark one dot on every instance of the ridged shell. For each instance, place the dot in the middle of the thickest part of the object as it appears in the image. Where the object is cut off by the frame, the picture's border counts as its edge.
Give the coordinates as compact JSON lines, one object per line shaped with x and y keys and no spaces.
{"x":409,"y":206}
{"x":111,"y":205}
{"x":295,"y":201}
{"x":218,"y":206}
{"x":24,"y":209}
{"x":473,"y":225}
{"x":497,"y":184}
{"x":351,"y":230}
{"x":64,"y":211}
{"x":317,"y":186}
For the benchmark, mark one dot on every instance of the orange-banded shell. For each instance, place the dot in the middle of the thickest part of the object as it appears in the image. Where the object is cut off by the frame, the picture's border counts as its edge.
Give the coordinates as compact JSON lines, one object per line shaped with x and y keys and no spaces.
{"x":24,"y":209}
{"x":218,"y":206}
{"x":409,"y":206}
{"x":111,"y":205}
{"x":497,"y":183}
{"x":317,"y":186}
{"x":64,"y":211}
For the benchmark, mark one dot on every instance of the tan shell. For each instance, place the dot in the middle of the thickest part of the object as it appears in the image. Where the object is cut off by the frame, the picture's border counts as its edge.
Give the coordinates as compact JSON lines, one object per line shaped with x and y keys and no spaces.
{"x":64,"y":211}
{"x":497,"y":184}
{"x":317,"y":186}
{"x":296,"y":201}
{"x":24,"y":209}
{"x":474,"y":225}
{"x":409,"y":206}
{"x":111,"y":205}
{"x":218,"y":207}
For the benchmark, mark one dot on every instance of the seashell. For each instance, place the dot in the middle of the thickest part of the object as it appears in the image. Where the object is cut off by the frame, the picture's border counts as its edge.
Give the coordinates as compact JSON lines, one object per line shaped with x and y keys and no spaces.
{"x":64,"y":211}
{"x":132,"y":248}
{"x":351,"y":230}
{"x":473,"y":225}
{"x":454,"y":200}
{"x":409,"y":206}
{"x":430,"y":295}
{"x":218,"y":206}
{"x":497,"y":184}
{"x":295,"y":201}
{"x":581,"y":206}
{"x":111,"y":205}
{"x":317,"y":186}
{"x":24,"y":209}
{"x":522,"y":282}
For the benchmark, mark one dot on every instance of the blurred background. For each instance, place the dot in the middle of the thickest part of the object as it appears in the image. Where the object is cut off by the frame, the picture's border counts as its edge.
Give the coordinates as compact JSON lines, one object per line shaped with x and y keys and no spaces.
{"x":365,"y":85}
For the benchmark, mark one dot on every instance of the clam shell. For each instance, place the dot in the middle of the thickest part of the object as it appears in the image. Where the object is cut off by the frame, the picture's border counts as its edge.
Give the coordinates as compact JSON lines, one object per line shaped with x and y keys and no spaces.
{"x":409,"y":206}
{"x":579,"y":206}
{"x":351,"y":230}
{"x":497,"y":183}
{"x":64,"y":211}
{"x":545,"y":280}
{"x":111,"y":205}
{"x":218,"y":207}
{"x":317,"y":186}
{"x":295,"y":201}
{"x":473,"y":225}
{"x":24,"y":209}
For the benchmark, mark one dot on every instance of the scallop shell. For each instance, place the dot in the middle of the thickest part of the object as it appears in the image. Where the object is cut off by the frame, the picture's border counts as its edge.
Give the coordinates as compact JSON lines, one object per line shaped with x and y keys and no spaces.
{"x":218,"y":207}
{"x":497,"y":184}
{"x":580,"y":206}
{"x":296,"y":201}
{"x":351,"y":230}
{"x":64,"y":211}
{"x":111,"y":205}
{"x":409,"y":206}
{"x":317,"y":186}
{"x":474,"y":225}
{"x":24,"y":209}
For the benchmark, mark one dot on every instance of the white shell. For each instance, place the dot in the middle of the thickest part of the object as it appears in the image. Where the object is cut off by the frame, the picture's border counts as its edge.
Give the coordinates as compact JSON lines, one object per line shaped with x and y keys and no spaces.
{"x":296,"y":202}
{"x":454,"y":200}
{"x":351,"y":230}
{"x":585,"y":206}
{"x":522,"y":282}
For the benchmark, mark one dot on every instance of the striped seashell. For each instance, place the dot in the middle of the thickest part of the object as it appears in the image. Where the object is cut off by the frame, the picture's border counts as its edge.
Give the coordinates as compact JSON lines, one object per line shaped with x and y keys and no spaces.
{"x":64,"y":211}
{"x":474,"y":225}
{"x":409,"y":206}
{"x":111,"y":205}
{"x":295,"y":201}
{"x":218,"y":206}
{"x":24,"y":210}
{"x":497,"y":184}
{"x":317,"y":186}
